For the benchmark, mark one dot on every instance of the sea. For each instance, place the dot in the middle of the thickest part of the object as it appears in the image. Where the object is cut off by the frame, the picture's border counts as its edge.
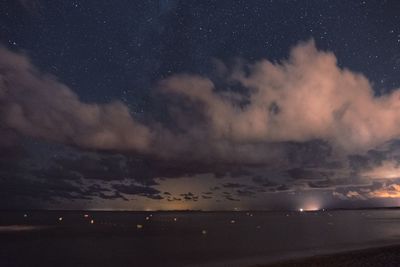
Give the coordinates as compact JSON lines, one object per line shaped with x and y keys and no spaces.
{"x":239,"y":238}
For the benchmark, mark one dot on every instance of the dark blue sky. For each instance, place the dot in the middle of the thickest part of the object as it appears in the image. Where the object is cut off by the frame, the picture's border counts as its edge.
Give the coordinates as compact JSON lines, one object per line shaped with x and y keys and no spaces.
{"x":107,"y":50}
{"x":120,"y":50}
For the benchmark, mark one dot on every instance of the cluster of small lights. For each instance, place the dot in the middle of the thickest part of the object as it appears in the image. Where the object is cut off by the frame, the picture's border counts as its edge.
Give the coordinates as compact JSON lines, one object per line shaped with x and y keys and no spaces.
{"x":140,"y":226}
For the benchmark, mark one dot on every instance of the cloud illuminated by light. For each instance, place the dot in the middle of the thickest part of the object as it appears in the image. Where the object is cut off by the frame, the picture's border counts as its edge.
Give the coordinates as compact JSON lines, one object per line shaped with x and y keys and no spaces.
{"x":387,"y":170}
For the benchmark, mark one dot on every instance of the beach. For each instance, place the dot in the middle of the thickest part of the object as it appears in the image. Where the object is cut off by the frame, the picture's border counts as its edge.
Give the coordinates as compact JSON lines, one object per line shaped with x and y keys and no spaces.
{"x":385,"y":256}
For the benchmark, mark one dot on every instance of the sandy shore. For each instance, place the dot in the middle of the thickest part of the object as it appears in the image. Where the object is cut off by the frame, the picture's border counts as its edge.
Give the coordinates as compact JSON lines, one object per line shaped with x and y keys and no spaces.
{"x":384,"y":256}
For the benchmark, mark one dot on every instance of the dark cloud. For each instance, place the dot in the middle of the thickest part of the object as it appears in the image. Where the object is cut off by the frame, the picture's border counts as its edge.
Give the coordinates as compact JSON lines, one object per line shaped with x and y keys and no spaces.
{"x":189,"y":196}
{"x":115,"y":195}
{"x":18,"y":191}
{"x":307,"y":174}
{"x":282,"y":187}
{"x":320,"y":184}
{"x":263,"y":181}
{"x":174,"y":199}
{"x":132,"y":189}
{"x":233,"y":185}
{"x":230,"y":198}
{"x":245,"y":193}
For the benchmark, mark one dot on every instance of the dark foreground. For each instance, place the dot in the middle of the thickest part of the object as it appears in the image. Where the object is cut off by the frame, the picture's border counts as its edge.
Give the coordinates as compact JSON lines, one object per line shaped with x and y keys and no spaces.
{"x":386,"y":256}
{"x":211,"y":239}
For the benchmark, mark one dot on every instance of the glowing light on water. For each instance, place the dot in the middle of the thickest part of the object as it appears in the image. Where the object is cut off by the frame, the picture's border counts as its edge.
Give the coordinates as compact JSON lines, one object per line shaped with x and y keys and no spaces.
{"x":17,"y":228}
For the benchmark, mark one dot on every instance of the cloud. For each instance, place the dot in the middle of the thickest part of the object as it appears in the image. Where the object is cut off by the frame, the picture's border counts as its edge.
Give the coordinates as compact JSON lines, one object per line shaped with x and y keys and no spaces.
{"x":189,"y":196}
{"x":233,"y":185}
{"x":355,"y":195}
{"x":38,"y":105}
{"x":303,"y":98}
{"x":133,"y":189}
{"x":387,"y":191}
{"x":388,"y":169}
{"x":274,"y":121}
{"x":378,"y":189}
{"x":20,"y":189}
{"x":245,"y":193}
{"x":339,"y":195}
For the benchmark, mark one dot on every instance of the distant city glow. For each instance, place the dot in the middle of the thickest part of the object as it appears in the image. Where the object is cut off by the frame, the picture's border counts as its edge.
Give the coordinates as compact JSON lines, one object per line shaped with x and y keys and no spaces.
{"x":312,"y":208}
{"x":311,"y":204}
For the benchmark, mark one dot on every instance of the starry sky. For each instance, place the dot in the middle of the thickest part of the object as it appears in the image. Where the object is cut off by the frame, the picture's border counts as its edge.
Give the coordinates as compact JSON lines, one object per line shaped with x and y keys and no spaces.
{"x":213,"y":105}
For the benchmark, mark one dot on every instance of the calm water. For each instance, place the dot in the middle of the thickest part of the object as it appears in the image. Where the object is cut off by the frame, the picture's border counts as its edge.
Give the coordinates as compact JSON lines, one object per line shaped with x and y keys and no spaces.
{"x":186,"y":239}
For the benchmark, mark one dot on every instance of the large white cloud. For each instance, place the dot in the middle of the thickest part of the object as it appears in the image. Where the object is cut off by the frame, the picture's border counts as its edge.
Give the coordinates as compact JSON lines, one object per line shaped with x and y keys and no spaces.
{"x":303,"y":98}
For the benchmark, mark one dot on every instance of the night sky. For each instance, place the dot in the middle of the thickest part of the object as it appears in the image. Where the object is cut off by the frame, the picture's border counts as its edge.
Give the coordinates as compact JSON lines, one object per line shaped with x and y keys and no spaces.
{"x":208,"y":105}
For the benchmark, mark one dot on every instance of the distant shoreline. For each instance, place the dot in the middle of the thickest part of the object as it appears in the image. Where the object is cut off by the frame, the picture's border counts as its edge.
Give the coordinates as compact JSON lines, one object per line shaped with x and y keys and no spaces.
{"x":197,"y":210}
